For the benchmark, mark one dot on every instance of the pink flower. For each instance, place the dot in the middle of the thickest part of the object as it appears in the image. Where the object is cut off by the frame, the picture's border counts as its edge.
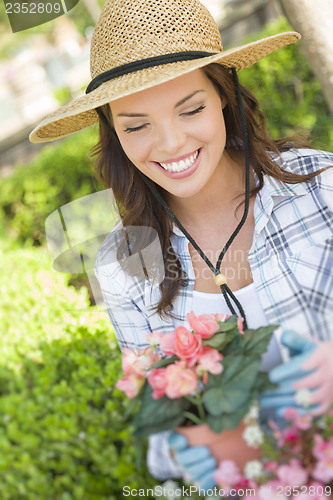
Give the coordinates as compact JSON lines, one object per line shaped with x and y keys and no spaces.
{"x":322,"y":450}
{"x":323,"y":471}
{"x":292,"y":474}
{"x":157,"y":380}
{"x":145,"y":360}
{"x":181,"y":381}
{"x":291,"y":413}
{"x":271,"y":466}
{"x":291,"y":434}
{"x":221,"y":316}
{"x":205,"y":324}
{"x":303,"y":422}
{"x":188,"y":345}
{"x":138,"y":362}
{"x":318,"y":450}
{"x":154,"y":338}
{"x":209,"y":361}
{"x":227,"y":475}
{"x":128,"y":359}
{"x":240,"y":325}
{"x":168,"y":344}
{"x":130,"y":385}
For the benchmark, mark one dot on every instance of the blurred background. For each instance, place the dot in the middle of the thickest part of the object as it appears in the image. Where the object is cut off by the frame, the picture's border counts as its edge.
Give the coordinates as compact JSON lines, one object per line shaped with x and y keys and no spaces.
{"x":62,"y":429}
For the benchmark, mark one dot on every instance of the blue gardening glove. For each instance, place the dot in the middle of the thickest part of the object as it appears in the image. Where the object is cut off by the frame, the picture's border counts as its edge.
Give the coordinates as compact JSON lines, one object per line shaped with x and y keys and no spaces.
{"x":303,"y":371}
{"x":196,"y":461}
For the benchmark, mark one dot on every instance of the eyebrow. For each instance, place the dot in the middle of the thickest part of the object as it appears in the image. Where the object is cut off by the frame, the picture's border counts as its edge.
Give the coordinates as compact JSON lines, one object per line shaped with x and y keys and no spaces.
{"x":179,"y":103}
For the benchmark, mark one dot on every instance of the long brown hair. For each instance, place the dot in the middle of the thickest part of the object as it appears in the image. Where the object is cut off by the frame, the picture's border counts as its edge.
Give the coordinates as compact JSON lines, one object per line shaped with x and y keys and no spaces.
{"x":138,"y":206}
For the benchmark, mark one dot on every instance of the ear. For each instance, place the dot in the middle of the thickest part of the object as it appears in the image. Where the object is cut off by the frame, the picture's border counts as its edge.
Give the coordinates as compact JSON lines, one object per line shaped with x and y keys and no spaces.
{"x":224,"y":101}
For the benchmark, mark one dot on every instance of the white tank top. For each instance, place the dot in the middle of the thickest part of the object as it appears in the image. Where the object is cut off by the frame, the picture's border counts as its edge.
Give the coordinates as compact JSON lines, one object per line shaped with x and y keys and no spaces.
{"x":211,"y":303}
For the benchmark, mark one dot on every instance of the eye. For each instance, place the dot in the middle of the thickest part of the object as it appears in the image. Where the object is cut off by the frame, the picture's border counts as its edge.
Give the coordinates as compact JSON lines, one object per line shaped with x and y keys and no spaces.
{"x":195,"y":111}
{"x":129,"y":130}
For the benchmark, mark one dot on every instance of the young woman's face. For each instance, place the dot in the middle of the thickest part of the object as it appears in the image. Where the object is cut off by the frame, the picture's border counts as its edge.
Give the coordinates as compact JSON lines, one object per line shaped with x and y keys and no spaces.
{"x":174,"y":132}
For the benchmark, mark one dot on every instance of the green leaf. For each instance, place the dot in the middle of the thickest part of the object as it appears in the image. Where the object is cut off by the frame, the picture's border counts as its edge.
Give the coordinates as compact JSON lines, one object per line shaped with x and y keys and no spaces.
{"x":220,"y":340}
{"x":231,"y":366}
{"x":156,"y":411}
{"x":165,"y":362}
{"x":231,"y":388}
{"x":244,"y":377}
{"x":225,"y":421}
{"x":235,"y":347}
{"x":228,"y":325}
{"x":263,"y":384}
{"x":214,"y":400}
{"x":232,"y":319}
{"x":256,"y":341}
{"x":131,"y":407}
{"x":154,"y":428}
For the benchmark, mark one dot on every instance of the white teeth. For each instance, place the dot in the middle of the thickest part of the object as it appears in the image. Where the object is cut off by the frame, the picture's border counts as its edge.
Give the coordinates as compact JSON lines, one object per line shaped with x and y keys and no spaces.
{"x":182,"y":165}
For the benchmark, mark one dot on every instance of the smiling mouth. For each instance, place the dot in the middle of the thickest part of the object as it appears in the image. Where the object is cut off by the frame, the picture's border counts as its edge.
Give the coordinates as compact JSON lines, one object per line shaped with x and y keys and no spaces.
{"x":180,"y":165}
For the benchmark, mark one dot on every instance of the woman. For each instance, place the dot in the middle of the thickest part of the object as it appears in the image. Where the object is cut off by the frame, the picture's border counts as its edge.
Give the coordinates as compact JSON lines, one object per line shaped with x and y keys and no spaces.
{"x":187,"y":153}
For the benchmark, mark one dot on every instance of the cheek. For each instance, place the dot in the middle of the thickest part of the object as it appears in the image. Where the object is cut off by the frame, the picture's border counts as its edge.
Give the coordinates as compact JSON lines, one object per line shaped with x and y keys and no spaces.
{"x":135,"y":148}
{"x":214,"y":130}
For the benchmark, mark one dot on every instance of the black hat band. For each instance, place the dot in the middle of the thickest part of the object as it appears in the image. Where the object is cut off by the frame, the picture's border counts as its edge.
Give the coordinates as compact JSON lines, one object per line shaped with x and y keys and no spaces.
{"x":124,"y":69}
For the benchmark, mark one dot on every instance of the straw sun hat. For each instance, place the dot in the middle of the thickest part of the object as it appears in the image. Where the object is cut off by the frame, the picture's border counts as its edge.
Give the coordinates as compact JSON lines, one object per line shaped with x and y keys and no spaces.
{"x":140,"y":43}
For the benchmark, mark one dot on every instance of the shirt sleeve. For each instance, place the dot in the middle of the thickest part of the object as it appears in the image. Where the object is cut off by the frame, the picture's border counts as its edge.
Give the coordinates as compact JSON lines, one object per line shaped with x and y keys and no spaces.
{"x":325,"y":182}
{"x":160,"y":463}
{"x":128,"y":318}
{"x":123,"y":298}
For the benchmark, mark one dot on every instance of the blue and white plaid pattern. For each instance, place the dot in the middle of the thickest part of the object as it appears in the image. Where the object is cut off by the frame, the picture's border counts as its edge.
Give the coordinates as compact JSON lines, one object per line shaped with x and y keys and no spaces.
{"x":291,"y":260}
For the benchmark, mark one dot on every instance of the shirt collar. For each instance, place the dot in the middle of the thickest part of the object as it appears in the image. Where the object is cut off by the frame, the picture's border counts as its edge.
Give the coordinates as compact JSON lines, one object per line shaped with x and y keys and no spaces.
{"x":272,"y":188}
{"x":176,"y":230}
{"x":275,"y":187}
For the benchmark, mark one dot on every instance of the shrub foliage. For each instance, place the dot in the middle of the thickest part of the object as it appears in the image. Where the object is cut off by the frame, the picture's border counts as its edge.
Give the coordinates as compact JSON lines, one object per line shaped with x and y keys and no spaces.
{"x":59,"y":174}
{"x":62,"y":429}
{"x":288,"y":91}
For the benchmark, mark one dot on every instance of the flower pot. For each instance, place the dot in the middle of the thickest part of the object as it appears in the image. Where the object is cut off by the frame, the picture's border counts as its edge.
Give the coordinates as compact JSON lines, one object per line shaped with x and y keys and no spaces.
{"x":228,"y":445}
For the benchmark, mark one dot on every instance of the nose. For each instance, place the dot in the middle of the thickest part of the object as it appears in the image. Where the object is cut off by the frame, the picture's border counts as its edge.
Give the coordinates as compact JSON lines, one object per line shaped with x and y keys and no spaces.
{"x":170,"y":138}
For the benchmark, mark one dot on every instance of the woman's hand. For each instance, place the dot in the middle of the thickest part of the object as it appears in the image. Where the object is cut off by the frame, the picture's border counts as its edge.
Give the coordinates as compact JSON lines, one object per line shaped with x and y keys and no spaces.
{"x":310,"y":368}
{"x":196,"y":461}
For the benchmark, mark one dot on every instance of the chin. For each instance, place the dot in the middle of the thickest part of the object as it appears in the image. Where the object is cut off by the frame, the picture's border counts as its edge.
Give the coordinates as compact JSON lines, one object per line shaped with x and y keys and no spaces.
{"x":186,"y":193}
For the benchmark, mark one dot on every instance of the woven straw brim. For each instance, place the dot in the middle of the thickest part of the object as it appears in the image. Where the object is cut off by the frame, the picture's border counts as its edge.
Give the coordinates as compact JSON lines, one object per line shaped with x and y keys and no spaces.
{"x":80,"y":112}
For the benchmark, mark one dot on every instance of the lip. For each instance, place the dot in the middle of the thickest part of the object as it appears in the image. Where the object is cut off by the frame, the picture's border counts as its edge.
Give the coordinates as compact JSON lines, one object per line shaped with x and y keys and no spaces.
{"x":184,"y":173}
{"x":179,"y":158}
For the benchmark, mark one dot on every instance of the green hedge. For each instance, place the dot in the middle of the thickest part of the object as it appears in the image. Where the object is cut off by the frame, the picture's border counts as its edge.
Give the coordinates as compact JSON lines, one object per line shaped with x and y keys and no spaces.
{"x":62,"y":430}
{"x":288,"y":91}
{"x":60,"y":173}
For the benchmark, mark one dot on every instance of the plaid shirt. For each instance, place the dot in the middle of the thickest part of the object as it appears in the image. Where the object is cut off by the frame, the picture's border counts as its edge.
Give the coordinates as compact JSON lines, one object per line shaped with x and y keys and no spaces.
{"x":291,"y":260}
